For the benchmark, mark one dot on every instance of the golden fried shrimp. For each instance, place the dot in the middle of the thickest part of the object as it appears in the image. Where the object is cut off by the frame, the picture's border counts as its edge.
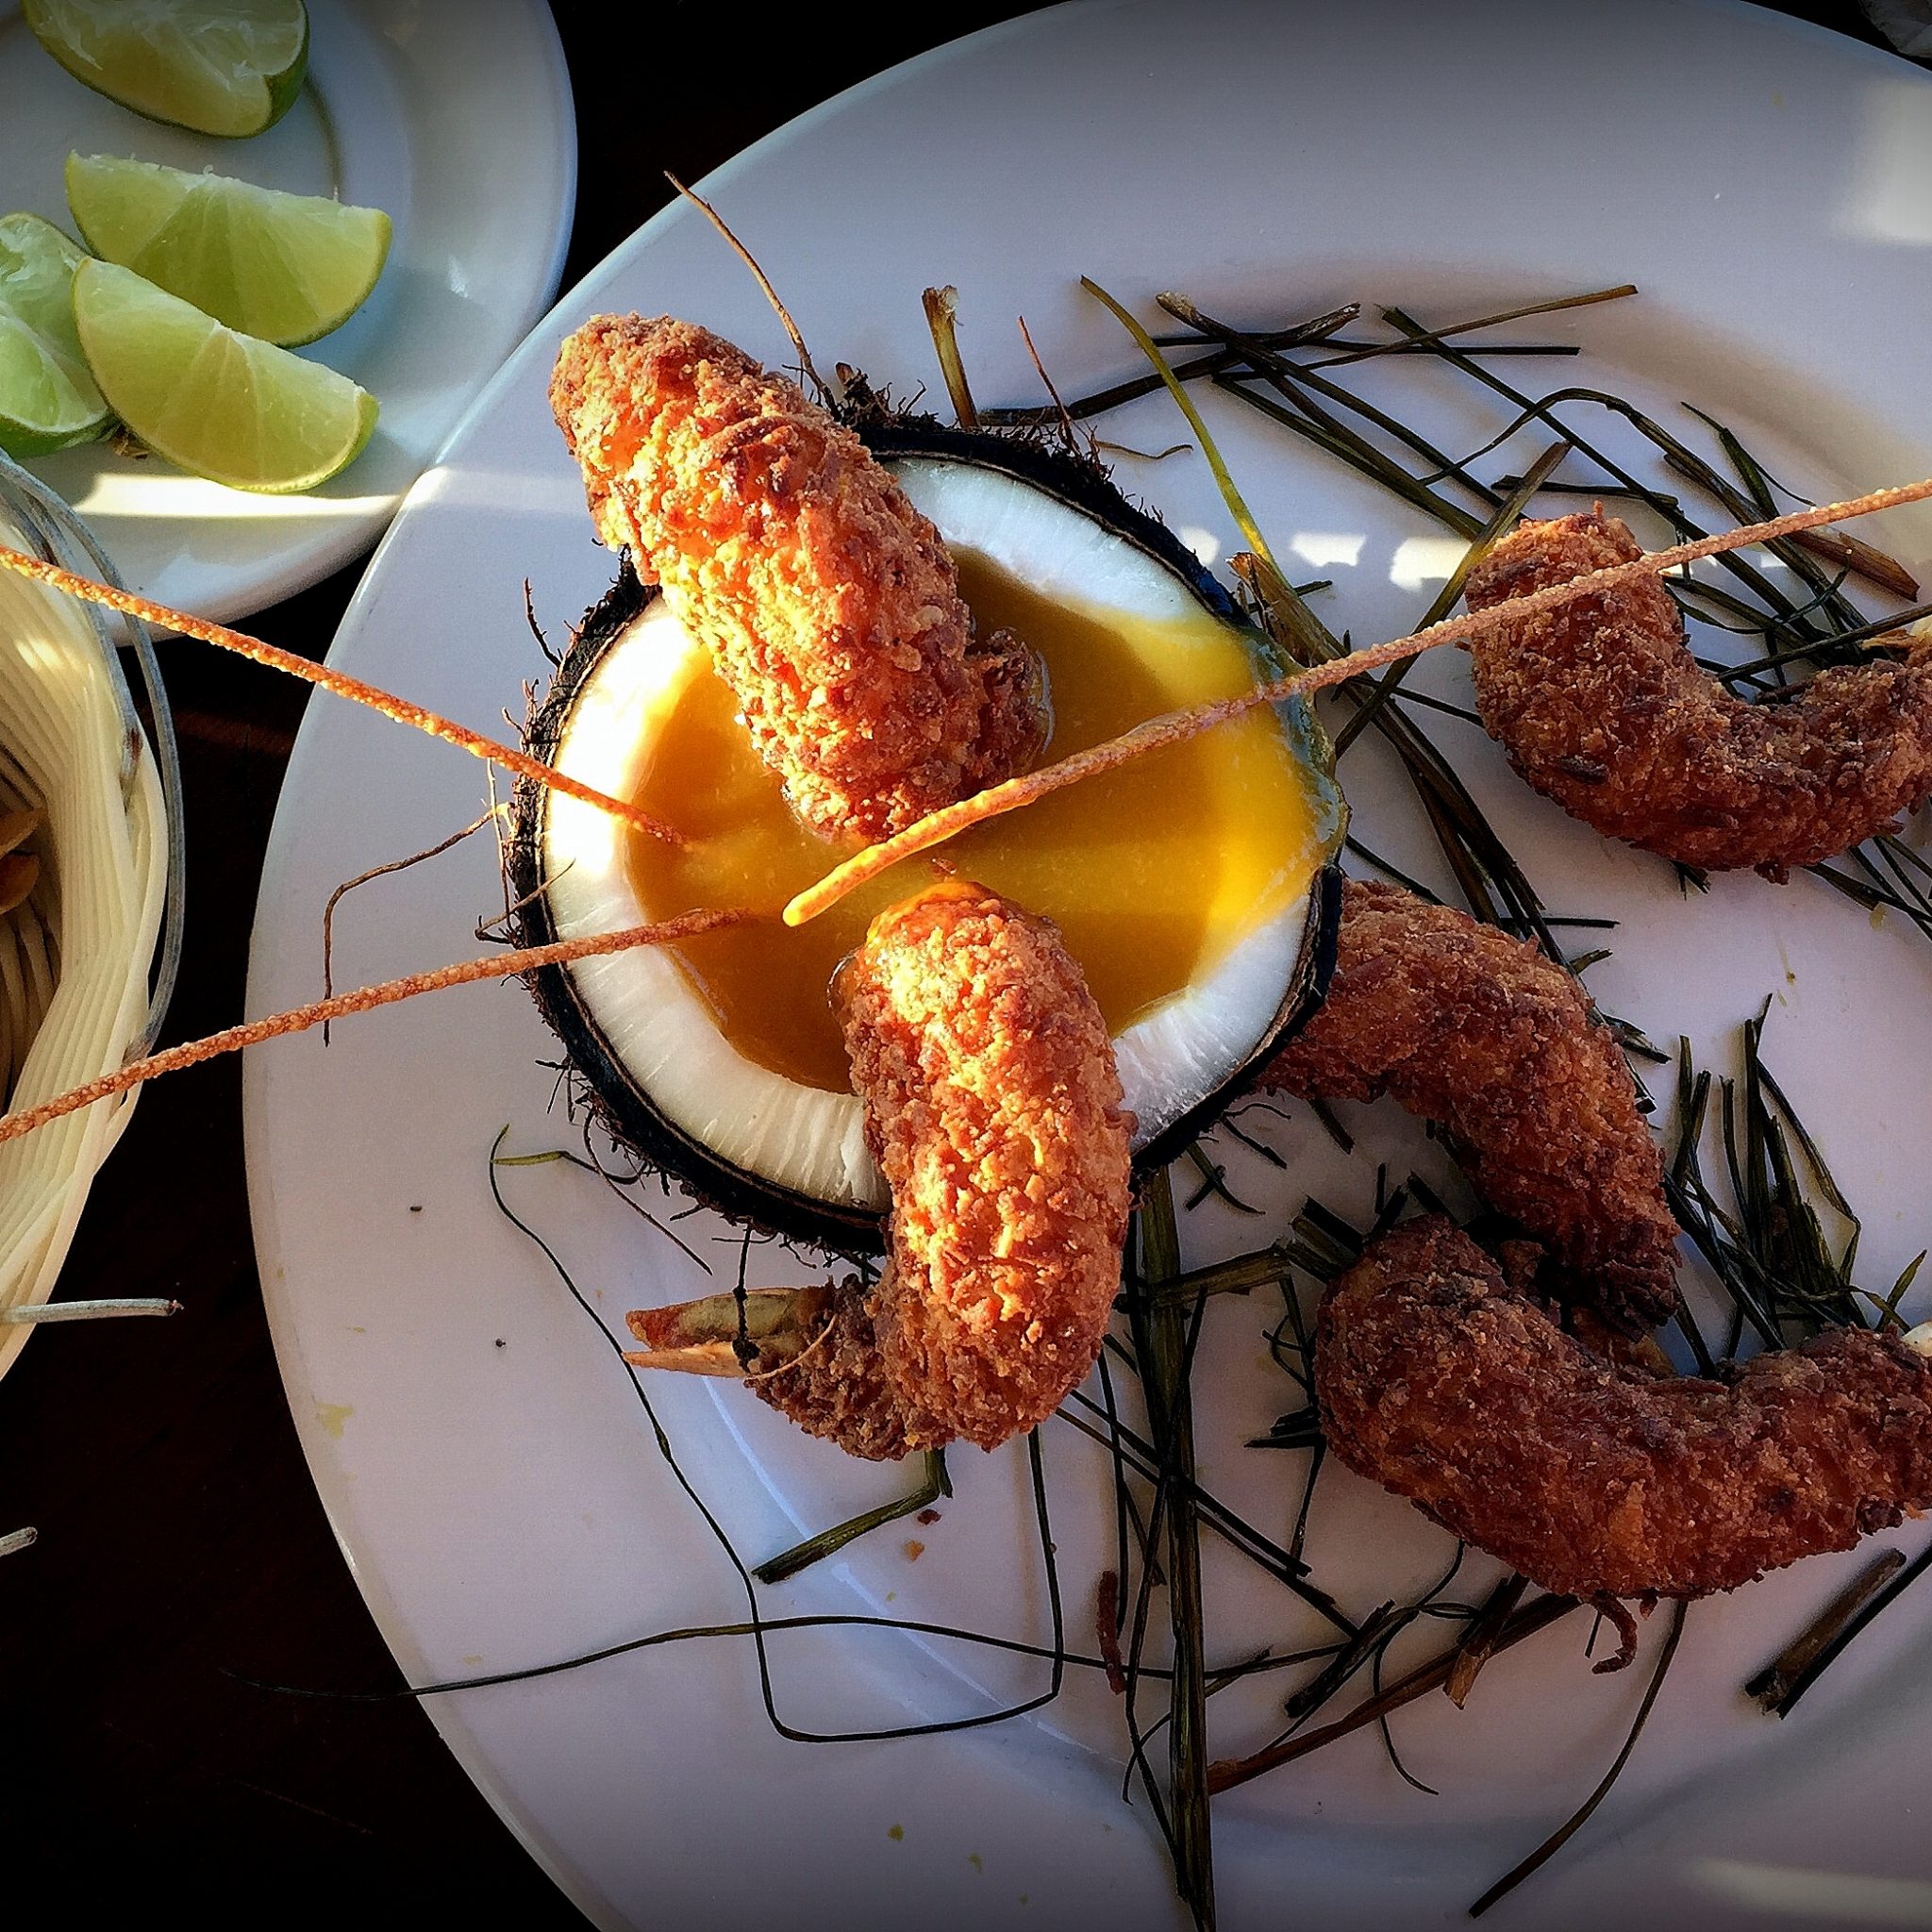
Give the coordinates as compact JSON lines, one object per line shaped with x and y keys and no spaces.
{"x":1482,"y":1033}
{"x":1440,"y":1382}
{"x":993,"y":1107}
{"x":828,"y":604}
{"x":1602,"y":708}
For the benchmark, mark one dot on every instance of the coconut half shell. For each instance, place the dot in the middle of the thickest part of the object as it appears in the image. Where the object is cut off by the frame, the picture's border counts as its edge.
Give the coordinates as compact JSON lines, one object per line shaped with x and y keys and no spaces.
{"x":641,"y":1043}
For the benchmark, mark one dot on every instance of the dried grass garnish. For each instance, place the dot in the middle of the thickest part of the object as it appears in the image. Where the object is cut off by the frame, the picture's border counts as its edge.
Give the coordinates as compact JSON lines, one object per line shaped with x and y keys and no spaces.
{"x":364,"y":999}
{"x":1773,"y":1684}
{"x":1069,"y":435}
{"x":338,"y":684}
{"x":42,"y":1313}
{"x":942,"y":320}
{"x":1889,"y":1591}
{"x":1571,"y":1826}
{"x":1224,"y":1773}
{"x":378,"y":872}
{"x":1176,"y":727}
{"x":744,"y":254}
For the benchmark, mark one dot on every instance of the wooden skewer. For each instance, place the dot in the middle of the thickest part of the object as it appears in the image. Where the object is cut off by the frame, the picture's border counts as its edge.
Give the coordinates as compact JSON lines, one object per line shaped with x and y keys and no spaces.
{"x":339,"y":683}
{"x":387,"y":994}
{"x":1176,"y":727}
{"x":18,"y":1539}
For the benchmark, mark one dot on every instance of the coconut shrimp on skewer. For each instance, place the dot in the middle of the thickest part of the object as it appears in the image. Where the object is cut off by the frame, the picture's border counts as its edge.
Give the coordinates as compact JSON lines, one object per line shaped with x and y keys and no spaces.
{"x":1602,"y":708}
{"x":1443,"y":1383}
{"x":1480,"y":1032}
{"x":827,"y":602}
{"x":993,"y":1107}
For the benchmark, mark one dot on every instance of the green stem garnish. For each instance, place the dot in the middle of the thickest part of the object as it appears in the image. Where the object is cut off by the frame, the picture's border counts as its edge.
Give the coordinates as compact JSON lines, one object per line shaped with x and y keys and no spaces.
{"x":1773,"y":1684}
{"x":1502,"y":520}
{"x":1237,"y":504}
{"x":1559,"y":1838}
{"x":1164,"y":1340}
{"x":1436,"y":338}
{"x":757,"y":1625}
{"x":829,"y":1543}
{"x":1226,"y":1774}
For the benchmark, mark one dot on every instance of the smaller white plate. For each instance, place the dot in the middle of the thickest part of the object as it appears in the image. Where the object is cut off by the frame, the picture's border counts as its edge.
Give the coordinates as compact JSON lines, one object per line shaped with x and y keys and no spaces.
{"x":455,"y":117}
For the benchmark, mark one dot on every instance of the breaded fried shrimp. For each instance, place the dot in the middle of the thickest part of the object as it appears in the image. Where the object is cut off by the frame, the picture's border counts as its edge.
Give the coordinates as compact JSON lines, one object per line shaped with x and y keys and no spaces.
{"x":1440,"y":1382}
{"x":1602,"y":706}
{"x":828,"y":604}
{"x":1481,"y":1033}
{"x":993,"y":1107}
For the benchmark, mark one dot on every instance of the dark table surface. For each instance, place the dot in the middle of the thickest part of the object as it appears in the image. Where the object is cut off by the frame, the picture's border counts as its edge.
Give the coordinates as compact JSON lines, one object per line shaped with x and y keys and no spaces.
{"x":182,"y":1548}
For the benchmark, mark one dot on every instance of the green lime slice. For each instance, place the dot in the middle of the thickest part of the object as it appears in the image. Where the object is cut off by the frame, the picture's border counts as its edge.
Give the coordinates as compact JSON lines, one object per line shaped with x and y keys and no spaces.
{"x":229,"y":69}
{"x":222,"y":404}
{"x":285,"y":267}
{"x":47,"y":398}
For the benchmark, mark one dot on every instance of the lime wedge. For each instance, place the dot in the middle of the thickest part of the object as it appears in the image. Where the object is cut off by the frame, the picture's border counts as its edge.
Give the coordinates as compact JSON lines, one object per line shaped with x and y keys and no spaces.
{"x":47,"y":398}
{"x":285,"y":267}
{"x":228,"y":67}
{"x":222,"y":404}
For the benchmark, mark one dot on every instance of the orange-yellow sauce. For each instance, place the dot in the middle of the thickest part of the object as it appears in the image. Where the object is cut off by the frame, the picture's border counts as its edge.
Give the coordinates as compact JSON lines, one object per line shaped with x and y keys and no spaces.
{"x":1152,"y":871}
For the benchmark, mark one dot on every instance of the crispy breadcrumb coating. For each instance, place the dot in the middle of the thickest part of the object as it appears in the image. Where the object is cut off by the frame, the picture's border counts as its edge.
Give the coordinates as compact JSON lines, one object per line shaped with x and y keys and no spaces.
{"x":1602,"y":706}
{"x":827,"y":602}
{"x":993,"y":1107}
{"x":1480,"y":1032}
{"x":1441,"y":1383}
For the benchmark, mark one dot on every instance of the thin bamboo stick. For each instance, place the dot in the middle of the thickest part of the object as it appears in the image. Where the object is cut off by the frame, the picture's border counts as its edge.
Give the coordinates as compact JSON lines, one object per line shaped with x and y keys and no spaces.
{"x":338,"y":683}
{"x":388,"y":992}
{"x":1176,"y":727}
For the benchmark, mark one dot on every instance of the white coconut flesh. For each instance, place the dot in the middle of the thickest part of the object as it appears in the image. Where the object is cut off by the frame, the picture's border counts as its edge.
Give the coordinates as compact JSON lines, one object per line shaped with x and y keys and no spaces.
{"x":662,"y":1029}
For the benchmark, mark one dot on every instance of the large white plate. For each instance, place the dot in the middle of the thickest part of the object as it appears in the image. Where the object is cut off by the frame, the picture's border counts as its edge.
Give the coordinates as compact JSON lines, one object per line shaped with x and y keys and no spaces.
{"x":452,"y":115}
{"x":482,"y":1456}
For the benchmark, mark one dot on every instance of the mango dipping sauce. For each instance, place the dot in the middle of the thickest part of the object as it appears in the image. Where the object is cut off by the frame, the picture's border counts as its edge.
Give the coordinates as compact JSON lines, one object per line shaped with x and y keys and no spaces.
{"x":1152,"y":871}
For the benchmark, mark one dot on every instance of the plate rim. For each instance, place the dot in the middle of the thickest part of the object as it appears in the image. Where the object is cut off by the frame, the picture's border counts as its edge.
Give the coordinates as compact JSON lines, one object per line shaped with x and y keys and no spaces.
{"x":449,"y":1723}
{"x":301,"y":563}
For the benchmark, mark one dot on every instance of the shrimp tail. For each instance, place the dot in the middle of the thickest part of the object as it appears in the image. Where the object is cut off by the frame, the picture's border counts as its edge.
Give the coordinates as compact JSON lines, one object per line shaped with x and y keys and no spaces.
{"x":809,"y":1353}
{"x":993,"y":1106}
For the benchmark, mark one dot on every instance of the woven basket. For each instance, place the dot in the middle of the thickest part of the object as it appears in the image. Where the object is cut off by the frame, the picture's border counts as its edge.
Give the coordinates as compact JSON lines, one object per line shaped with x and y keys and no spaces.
{"x":87,"y":961}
